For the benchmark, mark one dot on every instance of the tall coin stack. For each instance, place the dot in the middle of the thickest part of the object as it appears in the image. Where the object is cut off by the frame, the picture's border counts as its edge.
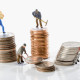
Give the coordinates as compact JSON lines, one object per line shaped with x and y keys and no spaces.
{"x":39,"y":43}
{"x":7,"y":48}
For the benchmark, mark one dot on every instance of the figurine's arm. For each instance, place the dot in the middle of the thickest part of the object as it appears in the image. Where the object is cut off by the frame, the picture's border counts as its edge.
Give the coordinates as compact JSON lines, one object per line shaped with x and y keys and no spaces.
{"x":39,"y":15}
{"x":25,"y":52}
{"x":1,"y":15}
{"x":33,"y":13}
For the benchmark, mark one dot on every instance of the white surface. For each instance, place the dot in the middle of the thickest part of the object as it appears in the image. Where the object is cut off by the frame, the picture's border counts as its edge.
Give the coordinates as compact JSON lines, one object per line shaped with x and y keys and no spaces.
{"x":63,"y":25}
{"x":13,"y":71}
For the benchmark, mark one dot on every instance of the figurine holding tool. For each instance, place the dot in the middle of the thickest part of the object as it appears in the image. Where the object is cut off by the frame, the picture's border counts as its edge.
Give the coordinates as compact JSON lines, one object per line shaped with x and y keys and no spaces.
{"x":38,"y":16}
{"x":1,"y":17}
{"x":20,"y":52}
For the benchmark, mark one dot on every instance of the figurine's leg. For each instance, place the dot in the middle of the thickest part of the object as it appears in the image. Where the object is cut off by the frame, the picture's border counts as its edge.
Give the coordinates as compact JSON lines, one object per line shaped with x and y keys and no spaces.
{"x":36,"y":23}
{"x":18,"y":59}
{"x":3,"y":29}
{"x":22,"y":59}
{"x":40,"y":23}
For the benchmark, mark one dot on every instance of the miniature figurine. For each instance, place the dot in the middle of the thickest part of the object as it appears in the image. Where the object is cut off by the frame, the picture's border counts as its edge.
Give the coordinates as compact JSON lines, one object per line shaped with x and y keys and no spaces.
{"x":38,"y":16}
{"x":20,"y":52}
{"x":1,"y":17}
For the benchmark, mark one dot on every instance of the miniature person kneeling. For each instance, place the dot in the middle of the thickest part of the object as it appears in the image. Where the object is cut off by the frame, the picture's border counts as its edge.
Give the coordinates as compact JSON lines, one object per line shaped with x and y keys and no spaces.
{"x":20,"y":52}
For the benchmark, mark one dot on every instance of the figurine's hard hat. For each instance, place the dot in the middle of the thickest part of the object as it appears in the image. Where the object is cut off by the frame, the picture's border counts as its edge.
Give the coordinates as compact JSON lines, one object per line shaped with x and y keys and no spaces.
{"x":24,"y":44}
{"x":36,"y":9}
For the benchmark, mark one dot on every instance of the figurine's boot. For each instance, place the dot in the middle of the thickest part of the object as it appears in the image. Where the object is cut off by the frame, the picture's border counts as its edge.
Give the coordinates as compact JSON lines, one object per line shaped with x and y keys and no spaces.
{"x":77,"y":60}
{"x":22,"y":60}
{"x":36,"y":23}
{"x":40,"y":23}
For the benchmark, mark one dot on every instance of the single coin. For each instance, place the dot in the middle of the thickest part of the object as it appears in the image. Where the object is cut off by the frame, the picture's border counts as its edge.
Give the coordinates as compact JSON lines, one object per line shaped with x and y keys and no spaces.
{"x":71,"y":44}
{"x":6,"y":35}
{"x":33,"y":59}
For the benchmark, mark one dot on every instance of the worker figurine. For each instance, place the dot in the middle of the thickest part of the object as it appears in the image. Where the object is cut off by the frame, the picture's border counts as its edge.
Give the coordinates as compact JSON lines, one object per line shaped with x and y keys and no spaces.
{"x":1,"y":17}
{"x":20,"y":52}
{"x":37,"y":15}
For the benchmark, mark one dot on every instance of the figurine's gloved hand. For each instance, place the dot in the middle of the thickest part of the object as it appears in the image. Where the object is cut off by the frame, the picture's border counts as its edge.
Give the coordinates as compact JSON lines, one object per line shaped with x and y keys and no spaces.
{"x":1,"y":15}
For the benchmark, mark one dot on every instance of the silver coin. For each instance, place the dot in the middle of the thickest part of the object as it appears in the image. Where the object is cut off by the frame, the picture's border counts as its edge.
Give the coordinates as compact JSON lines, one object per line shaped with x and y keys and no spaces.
{"x":71,"y":44}
{"x":6,"y":35}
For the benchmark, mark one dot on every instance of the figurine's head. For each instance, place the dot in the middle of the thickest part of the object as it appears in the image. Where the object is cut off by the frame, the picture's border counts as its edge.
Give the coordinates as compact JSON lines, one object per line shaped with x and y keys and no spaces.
{"x":1,"y":15}
{"x":36,"y":10}
{"x":24,"y":45}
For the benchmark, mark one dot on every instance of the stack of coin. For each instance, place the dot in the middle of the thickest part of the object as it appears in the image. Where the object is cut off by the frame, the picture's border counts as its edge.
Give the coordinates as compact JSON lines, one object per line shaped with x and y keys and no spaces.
{"x":68,"y":53}
{"x":45,"y":66}
{"x":7,"y":48}
{"x":39,"y":43}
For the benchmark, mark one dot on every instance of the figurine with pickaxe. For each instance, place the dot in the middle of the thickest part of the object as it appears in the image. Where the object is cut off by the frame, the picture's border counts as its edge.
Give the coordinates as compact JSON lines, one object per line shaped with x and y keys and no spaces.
{"x":37,"y":15}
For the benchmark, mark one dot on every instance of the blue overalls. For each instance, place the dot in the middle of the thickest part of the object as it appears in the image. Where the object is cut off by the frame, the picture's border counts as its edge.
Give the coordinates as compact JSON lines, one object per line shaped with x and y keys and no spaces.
{"x":2,"y":26}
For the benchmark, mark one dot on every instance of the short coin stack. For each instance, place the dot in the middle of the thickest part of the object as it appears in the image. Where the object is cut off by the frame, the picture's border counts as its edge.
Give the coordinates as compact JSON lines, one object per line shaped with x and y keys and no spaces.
{"x":7,"y":48}
{"x":45,"y":66}
{"x":68,"y":53}
{"x":39,"y":43}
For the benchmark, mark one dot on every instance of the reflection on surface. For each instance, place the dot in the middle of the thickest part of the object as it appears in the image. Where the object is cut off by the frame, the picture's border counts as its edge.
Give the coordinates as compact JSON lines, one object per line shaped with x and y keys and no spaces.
{"x":68,"y":72}
{"x":35,"y":75}
{"x":13,"y":71}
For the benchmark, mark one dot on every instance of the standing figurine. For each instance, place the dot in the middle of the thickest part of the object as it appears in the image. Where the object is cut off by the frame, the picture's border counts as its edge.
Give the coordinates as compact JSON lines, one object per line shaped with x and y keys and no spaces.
{"x":37,"y":15}
{"x":20,"y":53}
{"x":1,"y":17}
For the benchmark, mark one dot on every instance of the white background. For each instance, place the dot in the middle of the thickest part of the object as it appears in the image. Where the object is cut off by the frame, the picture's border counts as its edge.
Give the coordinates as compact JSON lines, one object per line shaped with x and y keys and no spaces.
{"x":63,"y":25}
